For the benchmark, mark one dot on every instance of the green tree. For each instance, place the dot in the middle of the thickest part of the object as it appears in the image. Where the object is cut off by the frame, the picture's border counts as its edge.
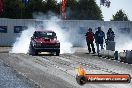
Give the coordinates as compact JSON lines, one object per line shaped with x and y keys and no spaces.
{"x":120,"y":16}
{"x":87,"y":10}
{"x":76,"y":9}
{"x":53,"y":6}
{"x":71,"y":7}
{"x":34,"y":6}
{"x":13,"y":9}
{"x":16,"y":9}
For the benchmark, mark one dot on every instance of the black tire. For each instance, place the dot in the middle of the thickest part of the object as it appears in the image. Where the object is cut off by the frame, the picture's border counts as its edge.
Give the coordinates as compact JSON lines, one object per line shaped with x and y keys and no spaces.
{"x":35,"y":53}
{"x":32,"y":51}
{"x":57,"y":53}
{"x":52,"y":53}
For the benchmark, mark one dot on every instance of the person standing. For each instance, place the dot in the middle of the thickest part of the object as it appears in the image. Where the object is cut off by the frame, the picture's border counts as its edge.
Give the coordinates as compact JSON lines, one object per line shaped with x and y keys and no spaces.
{"x":110,"y":44}
{"x":110,"y":35}
{"x":99,"y":38}
{"x":89,"y":39}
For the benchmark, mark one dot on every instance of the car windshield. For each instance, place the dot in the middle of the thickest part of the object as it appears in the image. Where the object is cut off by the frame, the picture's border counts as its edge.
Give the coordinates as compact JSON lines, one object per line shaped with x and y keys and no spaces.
{"x":45,"y":34}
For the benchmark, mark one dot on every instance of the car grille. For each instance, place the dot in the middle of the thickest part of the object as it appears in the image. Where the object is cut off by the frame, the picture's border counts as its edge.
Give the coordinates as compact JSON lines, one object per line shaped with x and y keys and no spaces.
{"x":48,"y":46}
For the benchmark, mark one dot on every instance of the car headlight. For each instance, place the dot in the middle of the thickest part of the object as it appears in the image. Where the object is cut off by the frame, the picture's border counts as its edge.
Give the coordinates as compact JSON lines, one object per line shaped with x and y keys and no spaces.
{"x":58,"y":42}
{"x":34,"y":43}
{"x":55,"y":38}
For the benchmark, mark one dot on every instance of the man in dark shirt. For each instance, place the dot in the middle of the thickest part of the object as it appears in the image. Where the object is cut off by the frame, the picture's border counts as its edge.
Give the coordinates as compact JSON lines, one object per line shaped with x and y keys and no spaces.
{"x":110,"y":35}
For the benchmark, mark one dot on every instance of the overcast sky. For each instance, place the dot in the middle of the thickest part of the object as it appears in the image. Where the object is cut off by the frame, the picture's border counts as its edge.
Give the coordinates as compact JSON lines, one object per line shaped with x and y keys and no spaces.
{"x":126,"y":5}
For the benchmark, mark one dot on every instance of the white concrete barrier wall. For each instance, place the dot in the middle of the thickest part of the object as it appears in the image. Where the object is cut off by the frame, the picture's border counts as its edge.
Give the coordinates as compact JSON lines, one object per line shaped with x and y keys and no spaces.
{"x":7,"y":39}
{"x":107,"y":53}
{"x":122,"y":54}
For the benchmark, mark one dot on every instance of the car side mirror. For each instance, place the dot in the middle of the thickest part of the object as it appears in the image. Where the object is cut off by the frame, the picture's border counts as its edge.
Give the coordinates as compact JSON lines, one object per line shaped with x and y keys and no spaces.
{"x":32,"y":37}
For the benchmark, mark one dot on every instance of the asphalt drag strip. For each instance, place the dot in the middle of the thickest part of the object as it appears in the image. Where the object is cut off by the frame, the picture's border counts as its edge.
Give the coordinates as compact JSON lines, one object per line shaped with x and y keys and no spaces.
{"x":59,"y":71}
{"x":9,"y":78}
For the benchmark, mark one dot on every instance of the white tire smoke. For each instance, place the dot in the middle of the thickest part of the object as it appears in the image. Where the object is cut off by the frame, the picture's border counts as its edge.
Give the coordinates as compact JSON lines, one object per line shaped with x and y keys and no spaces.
{"x":22,"y":43}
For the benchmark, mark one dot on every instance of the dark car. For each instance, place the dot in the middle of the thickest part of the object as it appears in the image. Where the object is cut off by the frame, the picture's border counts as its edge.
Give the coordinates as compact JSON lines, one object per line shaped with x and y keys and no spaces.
{"x":44,"y":41}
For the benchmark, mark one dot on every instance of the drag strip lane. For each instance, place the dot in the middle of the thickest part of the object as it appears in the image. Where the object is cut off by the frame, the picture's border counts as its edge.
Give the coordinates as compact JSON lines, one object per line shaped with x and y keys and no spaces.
{"x":75,"y":60}
{"x":88,"y":65}
{"x":50,"y":71}
{"x":111,"y":65}
{"x":42,"y":74}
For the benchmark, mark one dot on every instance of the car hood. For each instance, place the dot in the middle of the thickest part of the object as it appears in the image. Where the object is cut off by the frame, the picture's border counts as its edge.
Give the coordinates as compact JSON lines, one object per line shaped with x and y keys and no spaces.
{"x":46,"y":40}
